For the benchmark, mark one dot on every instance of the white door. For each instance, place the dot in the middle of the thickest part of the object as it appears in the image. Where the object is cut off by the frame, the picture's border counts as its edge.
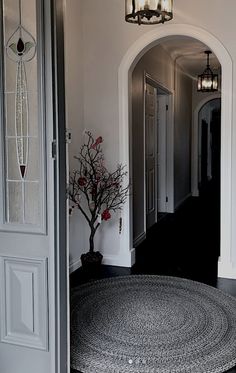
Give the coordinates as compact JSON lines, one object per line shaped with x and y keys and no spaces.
{"x":162,"y":107}
{"x":150,"y":155}
{"x":32,"y":334}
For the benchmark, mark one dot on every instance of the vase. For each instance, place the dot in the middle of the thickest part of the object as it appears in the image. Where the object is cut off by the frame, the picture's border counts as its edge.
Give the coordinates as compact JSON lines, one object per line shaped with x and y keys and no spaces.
{"x":91,"y":262}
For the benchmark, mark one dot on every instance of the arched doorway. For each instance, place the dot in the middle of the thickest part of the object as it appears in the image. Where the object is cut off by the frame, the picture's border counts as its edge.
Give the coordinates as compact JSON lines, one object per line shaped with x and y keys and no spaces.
{"x":143,"y":44}
{"x":195,"y":125}
{"x":209,"y":128}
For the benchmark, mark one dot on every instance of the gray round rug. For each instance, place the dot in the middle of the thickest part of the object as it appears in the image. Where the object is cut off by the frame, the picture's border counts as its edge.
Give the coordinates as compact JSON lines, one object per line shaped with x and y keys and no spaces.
{"x":152,"y":324}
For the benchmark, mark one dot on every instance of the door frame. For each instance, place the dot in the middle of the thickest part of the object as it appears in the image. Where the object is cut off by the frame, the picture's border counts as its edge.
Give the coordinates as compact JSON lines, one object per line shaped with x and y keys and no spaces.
{"x":148,"y":40}
{"x":146,"y":82}
{"x":61,"y":258}
{"x":169,"y":164}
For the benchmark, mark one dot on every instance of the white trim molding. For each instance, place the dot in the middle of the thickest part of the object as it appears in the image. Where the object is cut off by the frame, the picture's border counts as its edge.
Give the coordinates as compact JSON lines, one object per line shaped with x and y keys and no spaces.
{"x":226,"y":270}
{"x":74,"y":265}
{"x":119,"y":261}
{"x":134,"y":53}
{"x":141,"y":237}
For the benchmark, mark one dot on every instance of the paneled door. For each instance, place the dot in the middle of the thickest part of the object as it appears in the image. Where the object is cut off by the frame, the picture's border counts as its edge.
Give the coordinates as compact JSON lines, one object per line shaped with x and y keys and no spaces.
{"x":151,"y":154}
{"x":162,"y":108}
{"x":31,"y":168}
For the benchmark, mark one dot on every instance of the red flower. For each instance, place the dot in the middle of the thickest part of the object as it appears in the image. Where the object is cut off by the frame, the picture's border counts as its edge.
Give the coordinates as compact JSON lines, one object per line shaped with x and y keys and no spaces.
{"x":82,"y":181}
{"x":98,"y":141}
{"x":106,"y":215}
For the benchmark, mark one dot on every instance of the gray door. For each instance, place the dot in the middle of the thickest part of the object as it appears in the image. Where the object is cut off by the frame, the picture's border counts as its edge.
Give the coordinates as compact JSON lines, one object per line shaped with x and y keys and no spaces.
{"x":151,"y":155}
{"x":30,"y":265}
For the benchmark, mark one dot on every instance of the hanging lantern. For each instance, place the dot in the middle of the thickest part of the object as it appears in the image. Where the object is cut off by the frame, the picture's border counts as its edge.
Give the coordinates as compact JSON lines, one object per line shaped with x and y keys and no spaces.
{"x":207,"y":81}
{"x":149,"y":12}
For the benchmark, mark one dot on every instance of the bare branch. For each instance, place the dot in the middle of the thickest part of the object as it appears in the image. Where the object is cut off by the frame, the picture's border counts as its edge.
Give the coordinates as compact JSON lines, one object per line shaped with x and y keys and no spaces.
{"x":102,"y":190}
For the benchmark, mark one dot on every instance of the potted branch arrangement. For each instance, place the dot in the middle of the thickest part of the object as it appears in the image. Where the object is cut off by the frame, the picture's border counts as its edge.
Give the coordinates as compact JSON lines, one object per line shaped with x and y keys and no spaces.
{"x":96,"y":192}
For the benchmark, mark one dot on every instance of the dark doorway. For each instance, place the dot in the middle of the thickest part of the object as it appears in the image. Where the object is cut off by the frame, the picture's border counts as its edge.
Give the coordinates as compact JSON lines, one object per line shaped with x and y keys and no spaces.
{"x":204,"y":146}
{"x":187,"y":242}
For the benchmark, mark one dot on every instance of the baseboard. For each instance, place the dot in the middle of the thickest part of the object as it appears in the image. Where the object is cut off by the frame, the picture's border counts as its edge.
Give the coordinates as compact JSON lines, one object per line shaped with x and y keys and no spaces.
{"x":111,"y":260}
{"x":141,"y":237}
{"x":119,"y":261}
{"x":226,"y":270}
{"x":75,"y":265}
{"x":177,"y":206}
{"x":195,"y":193}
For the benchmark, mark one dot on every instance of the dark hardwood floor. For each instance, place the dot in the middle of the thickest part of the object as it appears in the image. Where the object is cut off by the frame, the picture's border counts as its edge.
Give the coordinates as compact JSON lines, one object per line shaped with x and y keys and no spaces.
{"x":184,"y":244}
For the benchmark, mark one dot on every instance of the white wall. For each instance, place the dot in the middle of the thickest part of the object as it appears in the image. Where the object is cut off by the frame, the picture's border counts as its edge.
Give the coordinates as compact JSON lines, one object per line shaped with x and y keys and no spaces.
{"x":106,"y":39}
{"x":157,"y":63}
{"x":182,"y":137}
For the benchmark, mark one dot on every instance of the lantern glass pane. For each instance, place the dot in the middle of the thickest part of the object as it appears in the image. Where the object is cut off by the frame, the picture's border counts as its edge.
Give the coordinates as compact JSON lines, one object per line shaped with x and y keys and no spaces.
{"x":146,"y":5}
{"x":207,"y":82}
{"x":167,"y":6}
{"x":215,"y":82}
{"x":199,"y":83}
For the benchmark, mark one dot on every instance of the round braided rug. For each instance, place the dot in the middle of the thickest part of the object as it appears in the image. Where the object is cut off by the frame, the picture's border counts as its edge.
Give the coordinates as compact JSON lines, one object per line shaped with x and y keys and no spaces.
{"x":152,"y":324}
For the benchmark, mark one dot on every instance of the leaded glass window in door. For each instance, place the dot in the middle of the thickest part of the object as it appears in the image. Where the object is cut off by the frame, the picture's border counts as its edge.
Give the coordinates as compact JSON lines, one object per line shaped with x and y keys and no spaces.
{"x":23,"y":128}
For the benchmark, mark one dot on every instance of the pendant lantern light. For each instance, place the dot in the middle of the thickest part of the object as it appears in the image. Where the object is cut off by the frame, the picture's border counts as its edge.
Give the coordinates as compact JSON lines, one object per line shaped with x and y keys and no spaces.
{"x":149,"y":12}
{"x":207,"y":81}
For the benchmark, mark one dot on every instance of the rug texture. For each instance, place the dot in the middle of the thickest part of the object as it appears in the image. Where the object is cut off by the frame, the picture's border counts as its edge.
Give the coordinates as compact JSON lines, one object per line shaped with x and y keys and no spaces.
{"x":152,"y":324}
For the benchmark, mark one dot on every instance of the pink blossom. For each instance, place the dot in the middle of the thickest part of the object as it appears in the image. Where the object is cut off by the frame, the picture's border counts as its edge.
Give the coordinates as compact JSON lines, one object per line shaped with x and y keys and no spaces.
{"x":106,"y":215}
{"x":82,"y":181}
{"x":98,"y":141}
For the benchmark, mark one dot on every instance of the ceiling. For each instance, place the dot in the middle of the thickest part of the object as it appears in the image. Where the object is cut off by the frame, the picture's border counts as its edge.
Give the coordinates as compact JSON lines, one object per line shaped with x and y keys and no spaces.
{"x":189,"y":54}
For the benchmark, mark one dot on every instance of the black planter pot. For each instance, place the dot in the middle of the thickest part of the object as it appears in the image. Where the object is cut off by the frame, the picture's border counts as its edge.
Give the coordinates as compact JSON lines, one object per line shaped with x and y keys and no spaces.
{"x":91,"y":262}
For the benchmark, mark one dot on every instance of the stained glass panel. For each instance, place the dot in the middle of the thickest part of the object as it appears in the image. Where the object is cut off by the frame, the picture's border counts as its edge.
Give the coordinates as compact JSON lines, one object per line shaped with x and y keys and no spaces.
{"x":33,"y":113}
{"x":33,"y":166}
{"x":23,"y":123}
{"x":15,"y":210}
{"x":32,"y":203}
{"x":10,"y":113}
{"x":13,"y":172}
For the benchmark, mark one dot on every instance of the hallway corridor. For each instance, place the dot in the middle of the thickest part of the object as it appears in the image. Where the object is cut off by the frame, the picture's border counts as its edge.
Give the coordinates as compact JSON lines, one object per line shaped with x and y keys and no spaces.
{"x":186,"y":243}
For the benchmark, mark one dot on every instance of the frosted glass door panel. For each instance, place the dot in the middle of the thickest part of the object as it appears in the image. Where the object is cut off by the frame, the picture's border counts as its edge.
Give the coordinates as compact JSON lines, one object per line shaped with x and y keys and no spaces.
{"x":23,"y":120}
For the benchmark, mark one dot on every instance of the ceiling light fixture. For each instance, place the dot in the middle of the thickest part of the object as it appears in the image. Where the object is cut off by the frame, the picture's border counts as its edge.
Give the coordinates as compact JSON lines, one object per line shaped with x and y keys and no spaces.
{"x":207,"y":81}
{"x":149,"y":12}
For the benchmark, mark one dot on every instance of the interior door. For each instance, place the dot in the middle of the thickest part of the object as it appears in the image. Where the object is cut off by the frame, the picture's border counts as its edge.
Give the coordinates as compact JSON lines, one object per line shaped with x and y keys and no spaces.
{"x":32,"y":291}
{"x":151,"y":154}
{"x":162,"y":107}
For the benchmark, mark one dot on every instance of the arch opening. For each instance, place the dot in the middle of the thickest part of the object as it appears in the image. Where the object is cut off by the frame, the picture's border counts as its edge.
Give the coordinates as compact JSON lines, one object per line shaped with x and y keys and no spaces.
{"x":136,"y":51}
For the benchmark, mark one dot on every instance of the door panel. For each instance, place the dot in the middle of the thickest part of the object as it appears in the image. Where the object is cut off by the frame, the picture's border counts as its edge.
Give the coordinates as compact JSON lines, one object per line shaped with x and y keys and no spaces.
{"x":162,"y":101}
{"x":24,"y":301}
{"x":150,"y":155}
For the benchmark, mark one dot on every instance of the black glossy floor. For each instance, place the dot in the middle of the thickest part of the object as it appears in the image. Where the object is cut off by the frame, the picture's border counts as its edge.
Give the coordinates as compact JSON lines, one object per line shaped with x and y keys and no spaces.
{"x":184,"y":244}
